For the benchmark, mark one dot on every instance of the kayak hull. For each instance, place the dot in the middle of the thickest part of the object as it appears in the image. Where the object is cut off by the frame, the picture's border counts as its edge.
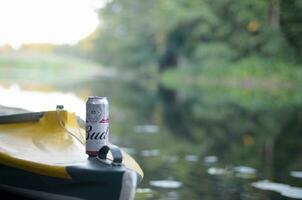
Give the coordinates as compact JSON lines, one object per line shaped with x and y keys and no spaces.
{"x":86,"y":183}
{"x":40,"y":160}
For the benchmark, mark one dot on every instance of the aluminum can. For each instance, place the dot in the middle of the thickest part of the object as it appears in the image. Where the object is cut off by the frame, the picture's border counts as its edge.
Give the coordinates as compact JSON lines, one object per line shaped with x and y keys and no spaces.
{"x":97,"y":124}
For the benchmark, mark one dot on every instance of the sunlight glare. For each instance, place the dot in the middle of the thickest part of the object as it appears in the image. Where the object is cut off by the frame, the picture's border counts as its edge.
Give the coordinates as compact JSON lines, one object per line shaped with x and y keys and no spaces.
{"x":46,"y":21}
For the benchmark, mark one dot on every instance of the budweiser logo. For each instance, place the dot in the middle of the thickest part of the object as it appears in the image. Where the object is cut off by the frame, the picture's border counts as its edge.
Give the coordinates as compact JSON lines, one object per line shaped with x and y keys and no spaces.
{"x":93,"y":135}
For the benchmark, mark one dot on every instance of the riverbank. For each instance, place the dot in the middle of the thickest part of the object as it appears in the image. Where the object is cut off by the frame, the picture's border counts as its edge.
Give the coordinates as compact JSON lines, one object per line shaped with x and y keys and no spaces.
{"x":250,"y":82}
{"x":28,"y":68}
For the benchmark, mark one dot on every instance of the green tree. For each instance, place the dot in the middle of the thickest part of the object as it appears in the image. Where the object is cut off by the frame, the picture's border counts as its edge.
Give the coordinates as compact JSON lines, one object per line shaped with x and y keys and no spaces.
{"x":167,"y":34}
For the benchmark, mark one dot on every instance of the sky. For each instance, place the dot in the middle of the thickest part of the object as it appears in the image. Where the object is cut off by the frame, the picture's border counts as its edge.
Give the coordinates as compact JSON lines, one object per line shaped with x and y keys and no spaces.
{"x":47,"y":21}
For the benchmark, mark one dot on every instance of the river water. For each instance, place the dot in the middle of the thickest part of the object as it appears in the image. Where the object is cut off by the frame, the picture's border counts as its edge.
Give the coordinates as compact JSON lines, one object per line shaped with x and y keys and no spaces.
{"x":190,"y":147}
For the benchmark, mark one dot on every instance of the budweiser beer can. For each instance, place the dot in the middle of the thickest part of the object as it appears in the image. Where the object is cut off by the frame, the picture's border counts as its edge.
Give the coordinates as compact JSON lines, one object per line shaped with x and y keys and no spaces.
{"x":97,"y":124}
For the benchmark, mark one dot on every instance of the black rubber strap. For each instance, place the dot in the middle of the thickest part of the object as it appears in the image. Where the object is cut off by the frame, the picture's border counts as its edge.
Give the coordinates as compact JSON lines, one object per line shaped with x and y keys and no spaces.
{"x":115,"y":151}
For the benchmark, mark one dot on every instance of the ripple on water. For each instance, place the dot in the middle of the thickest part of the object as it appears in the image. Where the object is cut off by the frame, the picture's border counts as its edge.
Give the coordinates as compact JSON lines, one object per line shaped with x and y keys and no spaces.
{"x":210,"y":159}
{"x":129,"y":150}
{"x":146,"y":129}
{"x":283,"y":189}
{"x":296,"y":174}
{"x":167,"y":184}
{"x":171,"y":158}
{"x":216,"y":171}
{"x":244,"y":172}
{"x":143,"y":193}
{"x":150,"y":153}
{"x":191,"y":158}
{"x":143,"y":190}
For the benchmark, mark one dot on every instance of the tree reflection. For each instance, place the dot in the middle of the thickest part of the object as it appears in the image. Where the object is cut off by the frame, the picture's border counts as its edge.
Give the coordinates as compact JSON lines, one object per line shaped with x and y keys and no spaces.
{"x":189,"y":124}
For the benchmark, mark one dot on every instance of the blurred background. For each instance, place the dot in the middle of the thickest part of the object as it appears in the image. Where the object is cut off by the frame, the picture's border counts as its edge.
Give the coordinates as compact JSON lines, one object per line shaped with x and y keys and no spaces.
{"x":205,"y":94}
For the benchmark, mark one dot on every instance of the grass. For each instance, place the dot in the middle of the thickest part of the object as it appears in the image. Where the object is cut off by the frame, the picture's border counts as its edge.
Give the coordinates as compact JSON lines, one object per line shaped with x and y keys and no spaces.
{"x":45,"y":68}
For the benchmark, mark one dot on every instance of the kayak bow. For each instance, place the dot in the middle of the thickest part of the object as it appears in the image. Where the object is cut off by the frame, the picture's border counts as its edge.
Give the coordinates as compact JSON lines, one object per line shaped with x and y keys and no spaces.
{"x":42,"y":157}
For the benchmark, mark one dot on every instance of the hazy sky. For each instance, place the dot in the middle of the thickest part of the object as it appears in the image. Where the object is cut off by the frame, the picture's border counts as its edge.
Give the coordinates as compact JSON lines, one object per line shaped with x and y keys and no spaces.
{"x":47,"y":21}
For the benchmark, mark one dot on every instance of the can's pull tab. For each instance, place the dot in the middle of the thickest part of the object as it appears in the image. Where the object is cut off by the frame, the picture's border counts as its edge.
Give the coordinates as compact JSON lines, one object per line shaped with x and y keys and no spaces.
{"x":115,"y":151}
{"x":60,"y":107}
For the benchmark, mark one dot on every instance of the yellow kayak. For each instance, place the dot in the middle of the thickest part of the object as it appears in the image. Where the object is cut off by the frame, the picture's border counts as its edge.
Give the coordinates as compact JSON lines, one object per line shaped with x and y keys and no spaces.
{"x":42,"y":156}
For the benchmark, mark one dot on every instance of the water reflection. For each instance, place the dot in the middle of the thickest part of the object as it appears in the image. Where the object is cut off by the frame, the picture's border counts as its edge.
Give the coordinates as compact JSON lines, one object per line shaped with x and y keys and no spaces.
{"x":144,"y":193}
{"x":130,"y":151}
{"x":168,"y":184}
{"x":36,"y":101}
{"x":296,"y":174}
{"x":146,"y":129}
{"x":245,"y":172}
{"x":171,"y":158}
{"x":210,"y":159}
{"x":283,"y":189}
{"x":191,"y":158}
{"x":216,"y":171}
{"x":144,"y":190}
{"x":212,"y":149}
{"x":150,"y":153}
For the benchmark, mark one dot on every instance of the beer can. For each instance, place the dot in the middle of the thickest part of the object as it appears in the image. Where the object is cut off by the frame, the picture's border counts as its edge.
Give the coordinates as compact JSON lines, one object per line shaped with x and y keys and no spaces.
{"x":97,"y":124}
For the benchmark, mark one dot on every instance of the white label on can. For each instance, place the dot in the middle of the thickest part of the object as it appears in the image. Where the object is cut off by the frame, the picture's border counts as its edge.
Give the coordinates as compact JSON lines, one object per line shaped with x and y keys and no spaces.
{"x":97,"y":128}
{"x":96,"y":136}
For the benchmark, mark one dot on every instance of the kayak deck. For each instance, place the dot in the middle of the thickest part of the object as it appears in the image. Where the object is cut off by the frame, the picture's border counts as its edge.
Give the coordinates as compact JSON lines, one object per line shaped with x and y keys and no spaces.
{"x":48,"y":145}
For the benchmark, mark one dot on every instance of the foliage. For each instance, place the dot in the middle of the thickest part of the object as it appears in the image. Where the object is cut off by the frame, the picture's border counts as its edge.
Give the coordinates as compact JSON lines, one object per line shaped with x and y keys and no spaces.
{"x":138,"y":33}
{"x":291,"y":22}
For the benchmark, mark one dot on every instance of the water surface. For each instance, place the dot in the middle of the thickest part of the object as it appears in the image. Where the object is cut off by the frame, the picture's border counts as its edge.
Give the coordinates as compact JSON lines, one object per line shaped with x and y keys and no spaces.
{"x":190,"y":147}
